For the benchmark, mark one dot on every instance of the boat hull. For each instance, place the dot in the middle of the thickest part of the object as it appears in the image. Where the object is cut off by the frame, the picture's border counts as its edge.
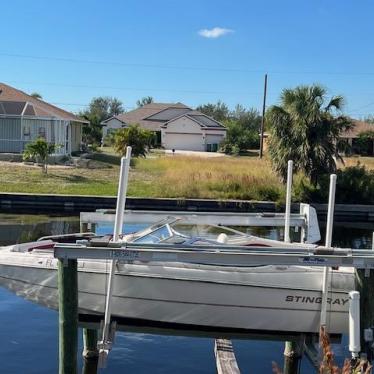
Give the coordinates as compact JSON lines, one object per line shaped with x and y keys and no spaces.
{"x":268,"y":298}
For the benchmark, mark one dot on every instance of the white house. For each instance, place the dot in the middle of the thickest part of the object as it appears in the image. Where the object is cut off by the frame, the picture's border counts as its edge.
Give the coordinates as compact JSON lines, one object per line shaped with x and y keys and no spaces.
{"x":24,"y":118}
{"x":192,"y":131}
{"x":176,"y":126}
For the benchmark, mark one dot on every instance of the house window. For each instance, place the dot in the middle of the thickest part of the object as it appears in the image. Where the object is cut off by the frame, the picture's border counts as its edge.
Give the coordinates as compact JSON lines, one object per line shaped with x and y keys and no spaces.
{"x":41,"y":132}
{"x":26,"y":130}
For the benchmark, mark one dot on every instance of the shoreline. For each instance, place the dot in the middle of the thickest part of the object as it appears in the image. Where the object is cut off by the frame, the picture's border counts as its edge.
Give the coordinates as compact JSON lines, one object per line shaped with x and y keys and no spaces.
{"x":72,"y":204}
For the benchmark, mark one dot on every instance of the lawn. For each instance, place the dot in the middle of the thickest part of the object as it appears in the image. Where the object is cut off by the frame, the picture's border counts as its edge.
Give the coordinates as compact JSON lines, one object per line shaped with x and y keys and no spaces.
{"x":157,"y":176}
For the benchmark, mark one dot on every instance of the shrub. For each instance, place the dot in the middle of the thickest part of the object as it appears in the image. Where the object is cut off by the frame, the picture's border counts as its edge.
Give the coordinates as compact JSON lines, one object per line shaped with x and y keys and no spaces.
{"x":354,"y":185}
{"x":134,"y":136}
{"x":39,"y":150}
{"x":239,"y":137}
{"x":364,"y":143}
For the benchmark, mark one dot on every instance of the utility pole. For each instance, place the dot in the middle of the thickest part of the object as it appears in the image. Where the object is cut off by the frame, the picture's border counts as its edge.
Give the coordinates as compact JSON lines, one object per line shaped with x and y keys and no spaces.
{"x":263,"y":118}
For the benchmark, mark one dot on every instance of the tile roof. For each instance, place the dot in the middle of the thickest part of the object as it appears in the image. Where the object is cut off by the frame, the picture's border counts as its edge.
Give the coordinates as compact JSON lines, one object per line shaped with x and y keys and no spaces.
{"x":141,"y":115}
{"x":359,"y":127}
{"x":12,"y":100}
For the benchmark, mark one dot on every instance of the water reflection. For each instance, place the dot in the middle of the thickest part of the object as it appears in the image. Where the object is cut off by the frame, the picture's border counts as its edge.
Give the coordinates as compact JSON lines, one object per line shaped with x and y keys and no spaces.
{"x":15,"y":228}
{"x":32,"y":330}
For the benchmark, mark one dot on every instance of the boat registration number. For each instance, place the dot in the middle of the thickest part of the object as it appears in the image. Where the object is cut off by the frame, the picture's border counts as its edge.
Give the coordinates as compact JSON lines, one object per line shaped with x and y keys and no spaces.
{"x":125,"y":254}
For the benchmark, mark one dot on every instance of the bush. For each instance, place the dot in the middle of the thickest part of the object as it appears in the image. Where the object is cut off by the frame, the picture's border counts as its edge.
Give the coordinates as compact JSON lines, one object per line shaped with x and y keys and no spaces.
{"x":239,"y":137}
{"x":134,"y":136}
{"x":230,"y":149}
{"x":364,"y":143}
{"x":39,"y":150}
{"x":354,"y":185}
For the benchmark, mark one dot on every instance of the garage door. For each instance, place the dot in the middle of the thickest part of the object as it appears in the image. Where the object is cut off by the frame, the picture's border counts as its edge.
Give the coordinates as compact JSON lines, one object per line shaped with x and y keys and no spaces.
{"x":187,"y":142}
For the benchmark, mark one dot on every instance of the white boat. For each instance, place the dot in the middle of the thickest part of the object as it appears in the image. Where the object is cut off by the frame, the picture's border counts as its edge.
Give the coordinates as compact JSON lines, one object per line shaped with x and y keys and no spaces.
{"x":257,"y":299}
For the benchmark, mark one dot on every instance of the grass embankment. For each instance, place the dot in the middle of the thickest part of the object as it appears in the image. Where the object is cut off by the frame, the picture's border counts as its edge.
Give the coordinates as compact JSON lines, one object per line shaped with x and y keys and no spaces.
{"x":59,"y":180}
{"x":165,"y":176}
{"x":160,"y":176}
{"x":212,"y":178}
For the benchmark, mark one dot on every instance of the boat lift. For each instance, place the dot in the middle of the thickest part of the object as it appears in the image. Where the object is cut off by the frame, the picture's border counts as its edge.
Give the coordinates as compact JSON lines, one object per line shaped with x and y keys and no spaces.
{"x":228,"y":255}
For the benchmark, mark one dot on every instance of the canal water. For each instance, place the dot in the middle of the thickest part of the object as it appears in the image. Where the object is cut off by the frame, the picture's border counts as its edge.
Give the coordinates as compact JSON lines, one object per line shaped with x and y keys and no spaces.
{"x":29,"y":333}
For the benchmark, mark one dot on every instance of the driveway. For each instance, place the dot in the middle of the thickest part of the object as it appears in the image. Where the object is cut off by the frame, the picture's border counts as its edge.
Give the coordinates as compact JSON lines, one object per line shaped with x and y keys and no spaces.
{"x":194,"y":153}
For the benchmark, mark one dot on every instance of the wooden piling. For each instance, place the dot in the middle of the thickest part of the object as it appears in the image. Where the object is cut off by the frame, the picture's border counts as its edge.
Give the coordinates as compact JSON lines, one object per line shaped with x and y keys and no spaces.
{"x":292,"y":355}
{"x":90,"y":351}
{"x":68,"y":316}
{"x":89,"y":366}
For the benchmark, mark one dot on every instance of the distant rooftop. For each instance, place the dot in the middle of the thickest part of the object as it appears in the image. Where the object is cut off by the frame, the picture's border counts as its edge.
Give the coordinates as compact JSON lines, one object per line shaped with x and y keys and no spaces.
{"x":151,"y":116}
{"x":16,"y":102}
{"x":155,"y":115}
{"x":358,"y":128}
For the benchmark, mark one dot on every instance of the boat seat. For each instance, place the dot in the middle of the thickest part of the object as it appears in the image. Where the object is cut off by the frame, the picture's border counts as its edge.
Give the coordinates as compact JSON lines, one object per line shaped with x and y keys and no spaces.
{"x":102,"y":241}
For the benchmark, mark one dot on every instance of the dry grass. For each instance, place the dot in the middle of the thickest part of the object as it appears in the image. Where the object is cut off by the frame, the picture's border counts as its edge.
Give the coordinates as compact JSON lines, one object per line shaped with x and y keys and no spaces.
{"x":226,"y":177}
{"x":368,"y":162}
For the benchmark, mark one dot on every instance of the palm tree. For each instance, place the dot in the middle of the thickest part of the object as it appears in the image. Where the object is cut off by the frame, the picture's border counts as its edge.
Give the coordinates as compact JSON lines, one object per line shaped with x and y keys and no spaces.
{"x":144,"y":101}
{"x":305,"y":128}
{"x":39,"y":149}
{"x":36,"y":95}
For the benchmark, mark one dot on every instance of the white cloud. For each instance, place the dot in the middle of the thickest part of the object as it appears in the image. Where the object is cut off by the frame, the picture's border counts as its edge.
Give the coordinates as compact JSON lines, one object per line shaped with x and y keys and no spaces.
{"x":215,"y":32}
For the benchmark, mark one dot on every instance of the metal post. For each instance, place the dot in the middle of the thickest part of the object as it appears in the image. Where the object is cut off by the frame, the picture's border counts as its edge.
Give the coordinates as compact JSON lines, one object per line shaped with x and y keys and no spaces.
{"x":288,"y":203}
{"x":68,"y":316}
{"x":263,"y":118}
{"x":105,"y":343}
{"x":354,"y":324}
{"x":365,"y":286}
{"x":291,"y":358}
{"x":329,"y":227}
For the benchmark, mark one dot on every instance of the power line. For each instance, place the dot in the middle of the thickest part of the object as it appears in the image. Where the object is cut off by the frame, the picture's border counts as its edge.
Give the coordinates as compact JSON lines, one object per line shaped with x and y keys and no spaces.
{"x":133,"y":88}
{"x":180,"y":67}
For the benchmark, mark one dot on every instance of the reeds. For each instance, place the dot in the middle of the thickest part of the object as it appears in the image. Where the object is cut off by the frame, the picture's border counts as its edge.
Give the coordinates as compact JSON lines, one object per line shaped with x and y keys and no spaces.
{"x":328,"y":365}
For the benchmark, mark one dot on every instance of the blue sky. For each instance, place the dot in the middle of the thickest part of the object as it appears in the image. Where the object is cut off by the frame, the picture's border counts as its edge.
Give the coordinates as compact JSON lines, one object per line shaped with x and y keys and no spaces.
{"x":70,"y":51}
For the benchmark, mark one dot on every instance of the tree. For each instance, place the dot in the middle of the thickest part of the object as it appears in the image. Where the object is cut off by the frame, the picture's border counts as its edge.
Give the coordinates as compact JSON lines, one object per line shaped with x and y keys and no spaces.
{"x":39,"y":149}
{"x":100,"y":109}
{"x":305,"y":128}
{"x":136,"y":137}
{"x":37,"y":95}
{"x":144,"y":101}
{"x":365,"y":143}
{"x":242,"y":130}
{"x":219,"y":111}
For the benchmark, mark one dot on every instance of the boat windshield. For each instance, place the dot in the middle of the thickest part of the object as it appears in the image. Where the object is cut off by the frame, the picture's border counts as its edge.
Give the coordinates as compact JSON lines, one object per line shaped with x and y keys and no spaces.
{"x":156,"y":236}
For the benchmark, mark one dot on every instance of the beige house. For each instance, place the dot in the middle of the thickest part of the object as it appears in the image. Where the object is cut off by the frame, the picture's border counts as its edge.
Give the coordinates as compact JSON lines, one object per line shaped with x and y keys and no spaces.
{"x":192,"y":131}
{"x":176,"y":126}
{"x":24,"y":118}
{"x":352,"y":136}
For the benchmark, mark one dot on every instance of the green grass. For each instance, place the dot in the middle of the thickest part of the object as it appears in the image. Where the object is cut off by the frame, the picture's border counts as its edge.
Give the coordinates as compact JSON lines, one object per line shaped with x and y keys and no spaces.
{"x":157,"y":176}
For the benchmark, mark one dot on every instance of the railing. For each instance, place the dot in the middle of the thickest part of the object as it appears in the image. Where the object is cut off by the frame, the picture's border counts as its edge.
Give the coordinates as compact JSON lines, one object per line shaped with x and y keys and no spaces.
{"x":12,"y":145}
